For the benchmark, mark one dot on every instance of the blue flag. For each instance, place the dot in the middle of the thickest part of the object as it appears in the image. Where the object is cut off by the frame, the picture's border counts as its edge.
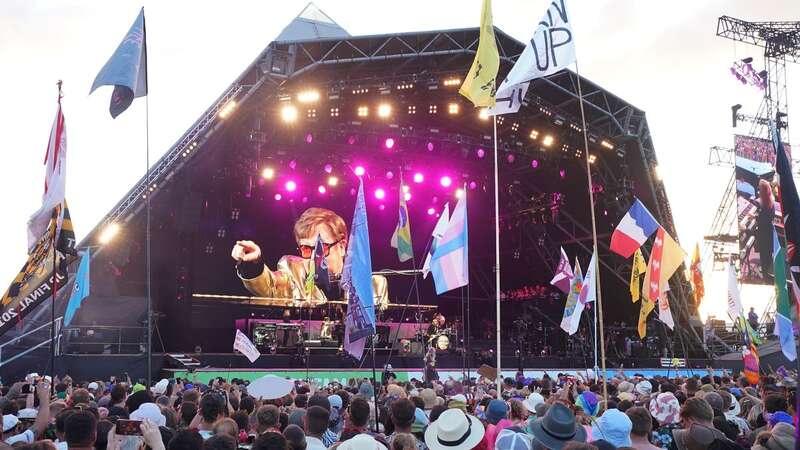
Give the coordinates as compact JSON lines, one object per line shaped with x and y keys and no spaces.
{"x":357,"y":282}
{"x":126,"y":70}
{"x":450,"y":260}
{"x":80,"y":289}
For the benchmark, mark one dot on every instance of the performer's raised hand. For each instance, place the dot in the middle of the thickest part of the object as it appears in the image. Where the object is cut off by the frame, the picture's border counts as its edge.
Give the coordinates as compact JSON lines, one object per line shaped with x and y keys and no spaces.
{"x":246,"y":251}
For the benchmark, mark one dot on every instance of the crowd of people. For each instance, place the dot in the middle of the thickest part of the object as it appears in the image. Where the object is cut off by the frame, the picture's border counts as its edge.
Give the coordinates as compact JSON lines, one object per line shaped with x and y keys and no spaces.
{"x":560,"y":412}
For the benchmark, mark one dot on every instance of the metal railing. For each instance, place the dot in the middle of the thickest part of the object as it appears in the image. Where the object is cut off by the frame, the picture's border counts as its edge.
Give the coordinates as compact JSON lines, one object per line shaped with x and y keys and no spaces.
{"x":30,"y":348}
{"x":103,"y":339}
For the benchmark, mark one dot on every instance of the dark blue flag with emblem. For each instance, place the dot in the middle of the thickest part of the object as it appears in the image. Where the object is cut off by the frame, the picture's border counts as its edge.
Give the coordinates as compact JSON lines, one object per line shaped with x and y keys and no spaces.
{"x":790,"y":207}
{"x":126,"y":70}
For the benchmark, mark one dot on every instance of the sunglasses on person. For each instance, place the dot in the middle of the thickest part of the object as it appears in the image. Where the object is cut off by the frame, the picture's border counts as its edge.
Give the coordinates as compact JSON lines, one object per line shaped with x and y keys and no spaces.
{"x":307,"y":251}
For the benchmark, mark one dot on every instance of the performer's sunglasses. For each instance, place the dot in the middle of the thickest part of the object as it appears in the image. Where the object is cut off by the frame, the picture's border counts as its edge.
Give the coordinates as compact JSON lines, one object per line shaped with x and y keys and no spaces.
{"x":306,"y":251}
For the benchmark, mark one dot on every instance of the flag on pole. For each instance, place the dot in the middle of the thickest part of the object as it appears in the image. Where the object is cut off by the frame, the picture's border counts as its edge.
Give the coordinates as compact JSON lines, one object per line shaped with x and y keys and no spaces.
{"x":357,"y":282}
{"x":563,"y":277}
{"x":126,"y":70}
{"x":751,"y":363}
{"x":735,"y":309}
{"x":450,"y":262}
{"x":637,"y":225}
{"x":665,"y":258}
{"x":697,"y":277}
{"x":401,"y":239}
{"x":245,"y":346}
{"x":80,"y":288}
{"x":589,"y":285}
{"x":783,"y":309}
{"x":55,"y":179}
{"x":318,"y":272}
{"x":479,"y":84}
{"x":438,"y":232}
{"x":550,"y":50}
{"x":790,"y":206}
{"x":644,"y":311}
{"x":638,"y":268}
{"x":573,"y":308}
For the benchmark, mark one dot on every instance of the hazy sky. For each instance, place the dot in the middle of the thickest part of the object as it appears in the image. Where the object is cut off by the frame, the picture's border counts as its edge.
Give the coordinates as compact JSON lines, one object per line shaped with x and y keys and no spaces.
{"x":661,"y":56}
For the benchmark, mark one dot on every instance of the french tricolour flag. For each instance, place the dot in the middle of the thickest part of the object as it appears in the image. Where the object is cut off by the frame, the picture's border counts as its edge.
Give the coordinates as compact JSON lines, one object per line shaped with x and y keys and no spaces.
{"x":637,"y":225}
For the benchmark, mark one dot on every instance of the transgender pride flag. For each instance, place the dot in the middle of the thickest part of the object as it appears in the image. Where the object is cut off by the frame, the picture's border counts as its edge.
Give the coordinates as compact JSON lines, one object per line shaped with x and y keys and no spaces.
{"x":637,"y":225}
{"x":449,"y":264}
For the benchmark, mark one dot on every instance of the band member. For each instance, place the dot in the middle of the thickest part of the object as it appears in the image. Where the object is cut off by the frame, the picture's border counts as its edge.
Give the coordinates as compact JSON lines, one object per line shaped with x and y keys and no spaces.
{"x":288,"y":281}
{"x":430,"y":365}
{"x":436,"y":326}
{"x":326,"y":332}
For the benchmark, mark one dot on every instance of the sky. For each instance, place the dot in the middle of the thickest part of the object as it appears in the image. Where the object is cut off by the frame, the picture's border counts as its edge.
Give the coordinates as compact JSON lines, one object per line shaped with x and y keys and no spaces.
{"x":662,"y":57}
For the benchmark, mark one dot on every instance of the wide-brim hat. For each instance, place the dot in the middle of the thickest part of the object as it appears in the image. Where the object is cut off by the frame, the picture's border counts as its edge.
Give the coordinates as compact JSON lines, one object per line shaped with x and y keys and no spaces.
{"x":533,"y":400}
{"x":454,"y":430}
{"x":361,"y":441}
{"x":557,"y":427}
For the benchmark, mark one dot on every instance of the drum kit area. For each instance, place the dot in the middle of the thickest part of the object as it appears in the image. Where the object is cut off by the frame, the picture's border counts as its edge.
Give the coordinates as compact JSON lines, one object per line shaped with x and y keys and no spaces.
{"x":444,"y":339}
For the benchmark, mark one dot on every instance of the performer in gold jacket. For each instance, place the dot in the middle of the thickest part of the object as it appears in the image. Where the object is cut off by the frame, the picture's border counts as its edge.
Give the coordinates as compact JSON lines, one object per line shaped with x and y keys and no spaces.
{"x":288,"y":281}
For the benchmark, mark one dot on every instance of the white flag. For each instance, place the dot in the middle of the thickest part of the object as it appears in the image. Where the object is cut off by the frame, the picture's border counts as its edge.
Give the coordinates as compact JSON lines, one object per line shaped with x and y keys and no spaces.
{"x":55,"y":177}
{"x":510,"y":100}
{"x":438,"y":231}
{"x":563,"y":276}
{"x":589,"y":286}
{"x":664,"y":312}
{"x":551,"y":49}
{"x":735,"y":309}
{"x":243,"y":344}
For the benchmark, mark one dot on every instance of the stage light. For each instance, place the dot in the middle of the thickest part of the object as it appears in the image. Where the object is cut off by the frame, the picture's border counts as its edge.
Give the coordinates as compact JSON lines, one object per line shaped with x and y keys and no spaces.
{"x":384,"y":110}
{"x":389,"y":143}
{"x":308,"y":96}
{"x":452,"y":82}
{"x":604,"y":143}
{"x":406,"y":189}
{"x":459,"y":193}
{"x":534,"y":134}
{"x":389,"y":175}
{"x":483,"y":114}
{"x":429,"y":146}
{"x":328,"y":168}
{"x":321,"y":189}
{"x":268,"y":173}
{"x":278,"y":197}
{"x":547,"y":141}
{"x":360,"y":171}
{"x":332,"y":181}
{"x":433,"y":109}
{"x":363,"y":111}
{"x":291,"y":186}
{"x":407,"y":196}
{"x":535,"y":163}
{"x":419,"y":177}
{"x":510,"y":158}
{"x":473,"y":185}
{"x":292,"y":164}
{"x":309,"y":138}
{"x":452,"y":108}
{"x":562,"y":173}
{"x":446,"y":181}
{"x":380,"y":194}
{"x":351,"y":140}
{"x":108,"y":233}
{"x":481,"y":153}
{"x":431,"y":211}
{"x":381,"y":206}
{"x":289,"y":113}
{"x":227,"y":110}
{"x":592,"y":158}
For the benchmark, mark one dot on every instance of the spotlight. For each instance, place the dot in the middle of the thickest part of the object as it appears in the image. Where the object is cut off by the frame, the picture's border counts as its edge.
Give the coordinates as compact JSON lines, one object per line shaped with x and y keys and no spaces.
{"x":362,"y":111}
{"x":328,"y":168}
{"x":430,"y":146}
{"x":289,"y":113}
{"x":481,"y":153}
{"x":406,"y":189}
{"x":562,"y":173}
{"x":389,"y":143}
{"x":407,"y":196}
{"x":384,"y":110}
{"x":309,"y":96}
{"x":278,"y":197}
{"x":592,"y":158}
{"x":446,"y":181}
{"x":360,"y":171}
{"x":227,"y":109}
{"x":534,"y":134}
{"x":380,"y":194}
{"x":483,"y":114}
{"x":547,"y":141}
{"x":332,"y":181}
{"x":108,"y":233}
{"x":452,"y":82}
{"x":606,"y":144}
{"x":535,"y":163}
{"x":309,"y":138}
{"x":321,"y":189}
{"x":473,"y":185}
{"x":389,"y":175}
{"x":291,"y":186}
{"x":459,"y":193}
{"x":381,"y":206}
{"x":292,"y":164}
{"x":510,"y":158}
{"x":268,"y":173}
{"x":452,"y":108}
{"x":419,"y":177}
{"x":431,"y":211}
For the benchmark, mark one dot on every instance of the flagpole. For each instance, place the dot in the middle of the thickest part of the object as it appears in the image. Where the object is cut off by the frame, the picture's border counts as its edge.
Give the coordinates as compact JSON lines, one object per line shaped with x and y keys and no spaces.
{"x":149,"y":352}
{"x":55,"y":275}
{"x":599,"y":305}
{"x":497,"y":256}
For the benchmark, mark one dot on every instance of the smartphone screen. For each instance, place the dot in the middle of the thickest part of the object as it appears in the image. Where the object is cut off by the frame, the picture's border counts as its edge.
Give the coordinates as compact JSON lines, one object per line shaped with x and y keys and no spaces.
{"x":127,"y":427}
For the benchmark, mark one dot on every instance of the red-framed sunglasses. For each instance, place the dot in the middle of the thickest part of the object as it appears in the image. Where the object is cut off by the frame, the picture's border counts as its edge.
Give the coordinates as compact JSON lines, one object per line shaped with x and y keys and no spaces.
{"x":307,"y":251}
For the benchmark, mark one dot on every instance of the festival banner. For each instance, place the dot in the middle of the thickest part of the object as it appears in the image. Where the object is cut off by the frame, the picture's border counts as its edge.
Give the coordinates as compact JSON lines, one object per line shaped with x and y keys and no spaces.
{"x":479,"y":84}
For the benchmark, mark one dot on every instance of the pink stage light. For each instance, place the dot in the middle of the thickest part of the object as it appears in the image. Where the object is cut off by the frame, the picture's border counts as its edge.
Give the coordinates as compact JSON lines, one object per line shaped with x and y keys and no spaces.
{"x":535,"y":163}
{"x":321,"y":189}
{"x":309,"y":138}
{"x":381,"y":206}
{"x":430,"y":146}
{"x":510,"y":158}
{"x":360,"y":171}
{"x":446,"y":181}
{"x":407,"y":196}
{"x":292,"y":164}
{"x":291,"y":186}
{"x":431,"y":211}
{"x":481,"y":153}
{"x":419,"y":178}
{"x":389,"y":175}
{"x":328,"y":168}
{"x":380,"y":194}
{"x":562,"y":173}
{"x":278,"y":196}
{"x":473,"y":185}
{"x":351,"y":140}
{"x":389,"y":143}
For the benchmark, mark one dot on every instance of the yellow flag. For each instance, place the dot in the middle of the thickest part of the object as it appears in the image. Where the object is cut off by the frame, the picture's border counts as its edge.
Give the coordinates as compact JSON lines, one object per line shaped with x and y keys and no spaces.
{"x":637,"y":270}
{"x":479,"y":84}
{"x":644,"y":311}
{"x":665,"y":260}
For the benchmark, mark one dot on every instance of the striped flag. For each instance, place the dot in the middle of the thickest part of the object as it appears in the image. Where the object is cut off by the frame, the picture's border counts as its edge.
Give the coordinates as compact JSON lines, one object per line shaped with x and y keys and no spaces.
{"x":563,"y":277}
{"x":790,"y":206}
{"x":401,"y":239}
{"x":751,"y":363}
{"x":665,"y":258}
{"x":450,"y":262}
{"x":55,"y":179}
{"x":783,"y":308}
{"x":573,"y":308}
{"x":438,"y":232}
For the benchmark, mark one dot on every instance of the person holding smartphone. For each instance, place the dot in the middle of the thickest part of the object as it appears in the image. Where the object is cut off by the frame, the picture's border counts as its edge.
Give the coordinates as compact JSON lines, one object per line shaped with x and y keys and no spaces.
{"x":16,"y":433}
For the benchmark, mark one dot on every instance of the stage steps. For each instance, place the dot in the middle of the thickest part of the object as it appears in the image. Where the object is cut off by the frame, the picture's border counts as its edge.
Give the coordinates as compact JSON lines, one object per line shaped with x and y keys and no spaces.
{"x":187,"y":362}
